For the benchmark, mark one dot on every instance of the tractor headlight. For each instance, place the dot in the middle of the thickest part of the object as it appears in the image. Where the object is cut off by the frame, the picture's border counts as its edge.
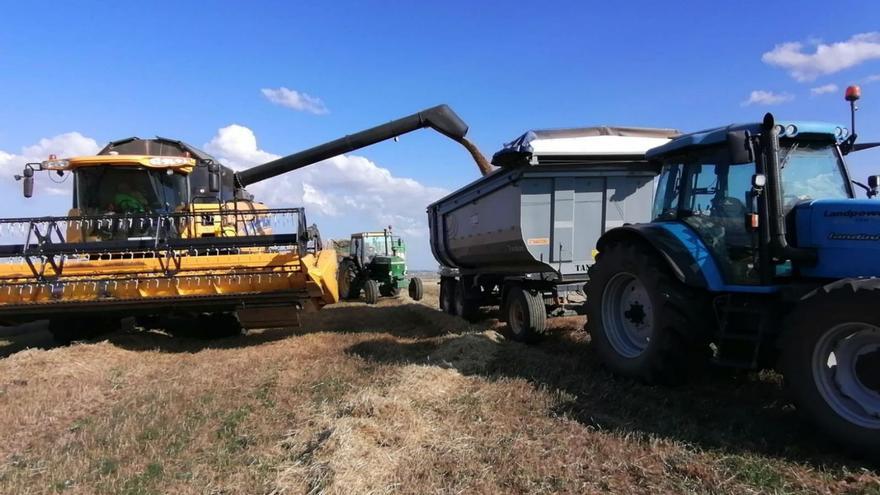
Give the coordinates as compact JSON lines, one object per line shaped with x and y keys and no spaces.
{"x":791,"y":130}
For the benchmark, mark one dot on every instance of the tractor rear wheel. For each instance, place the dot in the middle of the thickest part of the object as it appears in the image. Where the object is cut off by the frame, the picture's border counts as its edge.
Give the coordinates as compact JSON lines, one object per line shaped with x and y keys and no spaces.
{"x":526,"y":315}
{"x":371,"y":292}
{"x":643,"y":322}
{"x":416,"y":289}
{"x":447,"y":295}
{"x":346,"y":280}
{"x":831,"y":364}
{"x":67,"y":330}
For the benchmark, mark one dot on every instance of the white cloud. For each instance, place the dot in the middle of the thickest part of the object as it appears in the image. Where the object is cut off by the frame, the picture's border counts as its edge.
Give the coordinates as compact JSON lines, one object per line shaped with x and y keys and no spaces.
{"x":827,"y":58}
{"x":296,"y":100}
{"x":872,"y":78}
{"x":825,"y":88}
{"x":63,"y":145}
{"x":342,"y":186}
{"x":762,"y":97}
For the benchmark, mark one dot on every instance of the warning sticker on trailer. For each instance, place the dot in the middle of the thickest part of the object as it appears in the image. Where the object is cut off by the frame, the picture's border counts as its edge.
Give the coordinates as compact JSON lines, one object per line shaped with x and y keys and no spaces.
{"x":538,"y":241}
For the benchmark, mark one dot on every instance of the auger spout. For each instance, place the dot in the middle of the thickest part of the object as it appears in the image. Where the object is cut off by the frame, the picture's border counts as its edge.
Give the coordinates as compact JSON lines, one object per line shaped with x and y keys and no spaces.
{"x":440,"y":118}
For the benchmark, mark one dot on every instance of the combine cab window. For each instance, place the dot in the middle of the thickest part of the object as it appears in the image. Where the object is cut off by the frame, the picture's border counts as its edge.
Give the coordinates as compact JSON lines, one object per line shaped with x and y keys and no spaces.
{"x":128,"y":190}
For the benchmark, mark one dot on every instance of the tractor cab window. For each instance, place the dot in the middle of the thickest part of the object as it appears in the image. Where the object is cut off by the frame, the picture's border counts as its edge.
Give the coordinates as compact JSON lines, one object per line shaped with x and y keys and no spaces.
{"x":711,"y":197}
{"x":810,"y":170}
{"x":120,"y":190}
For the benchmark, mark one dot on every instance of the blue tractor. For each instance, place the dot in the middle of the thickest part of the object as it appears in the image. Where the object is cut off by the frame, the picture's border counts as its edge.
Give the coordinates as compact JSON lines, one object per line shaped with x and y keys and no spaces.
{"x":759,"y":256}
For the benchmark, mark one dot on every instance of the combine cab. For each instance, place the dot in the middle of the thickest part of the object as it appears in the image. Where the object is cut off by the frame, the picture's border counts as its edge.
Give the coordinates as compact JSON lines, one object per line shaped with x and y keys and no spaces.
{"x":161,"y":231}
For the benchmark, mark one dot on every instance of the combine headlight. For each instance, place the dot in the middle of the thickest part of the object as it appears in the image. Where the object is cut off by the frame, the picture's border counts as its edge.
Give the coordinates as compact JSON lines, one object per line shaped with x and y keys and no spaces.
{"x":55,"y":164}
{"x":791,"y":130}
{"x":168,"y":161}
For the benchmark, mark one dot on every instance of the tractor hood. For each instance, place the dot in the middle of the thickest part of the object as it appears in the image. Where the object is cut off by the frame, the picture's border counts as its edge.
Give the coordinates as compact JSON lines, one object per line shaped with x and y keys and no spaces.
{"x":845,"y":234}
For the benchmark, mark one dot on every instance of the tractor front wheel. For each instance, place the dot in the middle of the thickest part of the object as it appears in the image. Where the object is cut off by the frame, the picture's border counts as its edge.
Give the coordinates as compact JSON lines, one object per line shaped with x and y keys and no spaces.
{"x":831,"y":364}
{"x":643,"y":322}
{"x":416,"y":289}
{"x":371,"y":292}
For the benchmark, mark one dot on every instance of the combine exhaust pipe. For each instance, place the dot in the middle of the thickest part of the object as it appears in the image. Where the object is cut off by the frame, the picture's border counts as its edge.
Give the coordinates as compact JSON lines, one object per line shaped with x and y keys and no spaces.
{"x":440,"y":118}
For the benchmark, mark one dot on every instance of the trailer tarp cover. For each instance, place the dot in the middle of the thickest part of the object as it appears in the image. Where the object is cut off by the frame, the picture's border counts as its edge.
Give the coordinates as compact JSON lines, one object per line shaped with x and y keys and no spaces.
{"x":587,"y":143}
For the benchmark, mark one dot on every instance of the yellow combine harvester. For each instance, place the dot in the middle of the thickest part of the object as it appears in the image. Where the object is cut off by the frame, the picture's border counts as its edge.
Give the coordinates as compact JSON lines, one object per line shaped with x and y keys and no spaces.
{"x":161,"y":231}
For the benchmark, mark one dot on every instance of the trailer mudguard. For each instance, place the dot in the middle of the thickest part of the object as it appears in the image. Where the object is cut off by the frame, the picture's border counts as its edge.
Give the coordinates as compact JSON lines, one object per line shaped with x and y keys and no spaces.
{"x":669,"y":246}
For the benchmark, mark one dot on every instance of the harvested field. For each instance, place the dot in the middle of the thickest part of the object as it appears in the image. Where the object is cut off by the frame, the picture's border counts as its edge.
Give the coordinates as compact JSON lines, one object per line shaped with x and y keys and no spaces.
{"x":396,"y":398}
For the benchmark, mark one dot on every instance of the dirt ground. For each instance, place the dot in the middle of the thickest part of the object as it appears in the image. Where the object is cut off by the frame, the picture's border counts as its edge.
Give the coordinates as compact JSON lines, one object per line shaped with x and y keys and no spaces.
{"x":395,"y":398}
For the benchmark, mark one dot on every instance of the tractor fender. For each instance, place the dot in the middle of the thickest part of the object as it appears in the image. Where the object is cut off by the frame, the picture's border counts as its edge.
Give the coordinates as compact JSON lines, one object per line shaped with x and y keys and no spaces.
{"x":678,"y":257}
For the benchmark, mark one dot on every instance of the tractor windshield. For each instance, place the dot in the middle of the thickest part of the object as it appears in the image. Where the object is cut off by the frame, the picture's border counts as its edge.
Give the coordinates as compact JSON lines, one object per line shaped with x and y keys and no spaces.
{"x":811,"y":170}
{"x":383,"y":246}
{"x":121,"y":190}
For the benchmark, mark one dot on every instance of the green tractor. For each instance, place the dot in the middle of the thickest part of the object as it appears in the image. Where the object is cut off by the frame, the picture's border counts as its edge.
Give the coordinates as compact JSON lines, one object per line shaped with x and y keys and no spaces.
{"x":376,"y":265}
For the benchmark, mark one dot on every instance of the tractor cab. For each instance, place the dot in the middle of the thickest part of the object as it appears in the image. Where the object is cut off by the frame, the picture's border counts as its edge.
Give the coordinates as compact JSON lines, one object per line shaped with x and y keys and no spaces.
{"x":715,"y":191}
{"x":367,"y":246}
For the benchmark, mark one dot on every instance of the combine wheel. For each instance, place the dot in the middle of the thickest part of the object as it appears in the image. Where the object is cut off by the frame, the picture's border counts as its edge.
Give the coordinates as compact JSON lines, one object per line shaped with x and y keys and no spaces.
{"x":465,"y":307}
{"x":371,"y":292}
{"x":346,"y":280}
{"x":67,"y":330}
{"x":416,"y":289}
{"x":831,"y":364}
{"x":644,"y":323}
{"x":447,"y":295}
{"x":526,"y":315}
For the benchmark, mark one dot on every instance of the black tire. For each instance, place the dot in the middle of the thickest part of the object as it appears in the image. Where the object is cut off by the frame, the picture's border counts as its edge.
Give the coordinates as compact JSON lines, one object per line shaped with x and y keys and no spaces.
{"x":416,"y":289}
{"x":671,"y":315}
{"x":67,"y":330}
{"x":346,"y":280}
{"x":466,"y":307}
{"x":526,"y":315}
{"x":447,"y":295}
{"x":819,"y":397}
{"x":371,"y":292}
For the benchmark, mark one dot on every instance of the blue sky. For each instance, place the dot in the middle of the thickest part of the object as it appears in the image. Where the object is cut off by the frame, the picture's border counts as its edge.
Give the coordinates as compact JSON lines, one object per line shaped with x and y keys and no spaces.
{"x":188,"y":70}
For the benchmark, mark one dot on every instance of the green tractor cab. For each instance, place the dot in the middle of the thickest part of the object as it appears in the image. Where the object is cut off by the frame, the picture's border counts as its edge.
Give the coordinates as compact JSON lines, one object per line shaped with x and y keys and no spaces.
{"x":376,"y":265}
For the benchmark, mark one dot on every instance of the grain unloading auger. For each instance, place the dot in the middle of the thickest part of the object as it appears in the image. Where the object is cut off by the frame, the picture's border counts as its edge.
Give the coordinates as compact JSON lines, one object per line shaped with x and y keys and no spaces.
{"x":161,"y":231}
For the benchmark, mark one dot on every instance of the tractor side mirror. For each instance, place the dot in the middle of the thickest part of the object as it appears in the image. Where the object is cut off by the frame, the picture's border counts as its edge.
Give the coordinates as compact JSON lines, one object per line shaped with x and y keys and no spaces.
{"x":873,"y":185}
{"x":213,"y":177}
{"x":739,"y":147}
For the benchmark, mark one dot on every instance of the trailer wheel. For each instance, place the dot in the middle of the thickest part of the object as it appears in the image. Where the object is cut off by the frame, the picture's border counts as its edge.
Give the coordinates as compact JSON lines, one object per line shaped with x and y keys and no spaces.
{"x":465,"y":306}
{"x":447,"y":295}
{"x":831,"y":364}
{"x":644,"y":323}
{"x":346,"y":280}
{"x":371,"y":292}
{"x":526,"y":315}
{"x":416,"y":289}
{"x":67,"y":330}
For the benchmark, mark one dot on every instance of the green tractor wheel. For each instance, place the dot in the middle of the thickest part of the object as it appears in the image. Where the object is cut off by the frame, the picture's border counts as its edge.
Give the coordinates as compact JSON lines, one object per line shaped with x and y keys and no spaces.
{"x":371,"y":291}
{"x":346,"y":280}
{"x":416,"y":289}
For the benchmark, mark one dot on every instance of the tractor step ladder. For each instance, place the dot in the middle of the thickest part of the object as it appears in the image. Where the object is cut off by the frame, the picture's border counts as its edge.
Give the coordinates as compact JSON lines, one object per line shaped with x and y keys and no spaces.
{"x":742,"y":325}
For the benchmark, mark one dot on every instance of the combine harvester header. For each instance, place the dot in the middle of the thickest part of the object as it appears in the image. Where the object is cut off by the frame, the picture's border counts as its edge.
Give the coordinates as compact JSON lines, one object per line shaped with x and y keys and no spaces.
{"x":160,"y":230}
